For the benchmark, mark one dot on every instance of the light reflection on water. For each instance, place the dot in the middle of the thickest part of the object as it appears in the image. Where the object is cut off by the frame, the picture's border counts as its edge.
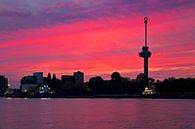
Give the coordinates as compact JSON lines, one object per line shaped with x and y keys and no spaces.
{"x":19,"y":113}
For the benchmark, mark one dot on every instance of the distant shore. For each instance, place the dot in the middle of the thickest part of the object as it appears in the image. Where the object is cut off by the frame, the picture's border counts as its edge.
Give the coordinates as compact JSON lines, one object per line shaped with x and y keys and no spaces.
{"x":154,"y":96}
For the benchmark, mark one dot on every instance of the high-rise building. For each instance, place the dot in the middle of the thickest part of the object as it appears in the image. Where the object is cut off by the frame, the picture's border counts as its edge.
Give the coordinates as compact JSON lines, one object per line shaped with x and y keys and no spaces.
{"x":79,"y":77}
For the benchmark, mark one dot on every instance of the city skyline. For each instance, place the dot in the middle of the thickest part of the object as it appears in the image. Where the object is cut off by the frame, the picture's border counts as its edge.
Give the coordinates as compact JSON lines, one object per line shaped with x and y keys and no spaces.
{"x":96,"y":37}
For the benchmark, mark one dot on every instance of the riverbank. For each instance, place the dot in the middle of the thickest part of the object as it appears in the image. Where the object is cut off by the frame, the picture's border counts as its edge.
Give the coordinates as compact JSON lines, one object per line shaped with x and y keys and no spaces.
{"x":146,"y":96}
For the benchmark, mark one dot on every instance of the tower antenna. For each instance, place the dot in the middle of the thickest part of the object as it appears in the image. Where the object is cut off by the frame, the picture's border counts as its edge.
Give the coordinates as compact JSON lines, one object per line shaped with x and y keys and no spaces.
{"x":146,"y":38}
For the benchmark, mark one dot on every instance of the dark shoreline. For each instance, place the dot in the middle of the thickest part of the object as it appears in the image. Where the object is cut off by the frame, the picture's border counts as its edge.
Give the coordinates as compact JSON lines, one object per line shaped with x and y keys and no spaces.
{"x":108,"y":96}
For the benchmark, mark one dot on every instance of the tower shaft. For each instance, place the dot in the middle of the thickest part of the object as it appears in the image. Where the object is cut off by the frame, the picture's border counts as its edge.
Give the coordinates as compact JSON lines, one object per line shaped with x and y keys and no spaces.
{"x":146,"y":67}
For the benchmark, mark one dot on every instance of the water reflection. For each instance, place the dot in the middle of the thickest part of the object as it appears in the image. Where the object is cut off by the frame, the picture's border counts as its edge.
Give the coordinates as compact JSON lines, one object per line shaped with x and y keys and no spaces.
{"x":96,"y":114}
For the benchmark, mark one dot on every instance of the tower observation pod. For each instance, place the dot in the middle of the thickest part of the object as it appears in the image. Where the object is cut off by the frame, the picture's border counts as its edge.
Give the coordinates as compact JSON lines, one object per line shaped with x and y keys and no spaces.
{"x":145,"y":53}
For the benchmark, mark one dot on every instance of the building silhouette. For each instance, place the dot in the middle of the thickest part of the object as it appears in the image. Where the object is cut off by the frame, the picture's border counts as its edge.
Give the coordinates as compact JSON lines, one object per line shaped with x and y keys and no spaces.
{"x":39,"y":76}
{"x":28,"y":84}
{"x":79,"y":78}
{"x":3,"y":84}
{"x":67,"y":78}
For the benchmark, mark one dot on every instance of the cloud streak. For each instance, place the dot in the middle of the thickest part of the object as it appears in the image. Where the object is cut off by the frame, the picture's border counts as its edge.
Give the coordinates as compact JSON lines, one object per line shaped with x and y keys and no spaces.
{"x":94,"y":36}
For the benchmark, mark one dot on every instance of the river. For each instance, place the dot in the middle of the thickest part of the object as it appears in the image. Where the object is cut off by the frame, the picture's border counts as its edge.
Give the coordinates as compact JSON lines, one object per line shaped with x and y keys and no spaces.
{"x":20,"y":113}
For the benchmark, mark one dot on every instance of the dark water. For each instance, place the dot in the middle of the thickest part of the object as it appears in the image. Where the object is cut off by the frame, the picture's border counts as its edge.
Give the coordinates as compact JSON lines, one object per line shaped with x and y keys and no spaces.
{"x":96,"y":114}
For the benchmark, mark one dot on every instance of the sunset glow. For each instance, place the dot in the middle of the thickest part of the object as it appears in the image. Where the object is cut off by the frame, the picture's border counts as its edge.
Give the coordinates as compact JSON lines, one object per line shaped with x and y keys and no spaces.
{"x":97,"y":37}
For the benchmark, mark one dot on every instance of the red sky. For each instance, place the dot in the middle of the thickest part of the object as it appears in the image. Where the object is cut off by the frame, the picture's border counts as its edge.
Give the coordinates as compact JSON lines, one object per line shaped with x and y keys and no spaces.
{"x":97,"y":37}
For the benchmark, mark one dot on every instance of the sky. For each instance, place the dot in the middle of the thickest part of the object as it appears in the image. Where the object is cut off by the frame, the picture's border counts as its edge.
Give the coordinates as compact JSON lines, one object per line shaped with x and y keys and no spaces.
{"x":97,"y":37}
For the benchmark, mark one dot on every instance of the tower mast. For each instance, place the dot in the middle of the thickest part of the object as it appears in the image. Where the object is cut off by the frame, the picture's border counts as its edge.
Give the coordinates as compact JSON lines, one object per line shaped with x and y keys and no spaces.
{"x":146,"y":21}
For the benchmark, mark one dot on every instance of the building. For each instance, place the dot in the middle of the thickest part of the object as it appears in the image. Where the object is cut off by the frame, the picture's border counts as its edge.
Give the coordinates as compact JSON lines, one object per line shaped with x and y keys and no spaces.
{"x":3,"y":84}
{"x":67,"y":78}
{"x":76,"y":78}
{"x":72,"y":83}
{"x":79,"y":78}
{"x":39,"y":76}
{"x":29,"y":84}
{"x":44,"y":89}
{"x":68,"y":82}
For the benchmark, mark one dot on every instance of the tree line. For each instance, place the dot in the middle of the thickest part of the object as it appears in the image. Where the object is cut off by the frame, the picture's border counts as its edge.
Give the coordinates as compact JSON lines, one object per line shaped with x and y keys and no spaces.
{"x":122,"y":85}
